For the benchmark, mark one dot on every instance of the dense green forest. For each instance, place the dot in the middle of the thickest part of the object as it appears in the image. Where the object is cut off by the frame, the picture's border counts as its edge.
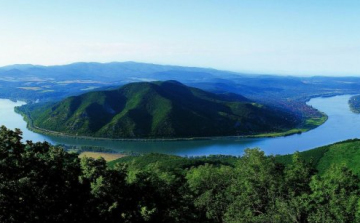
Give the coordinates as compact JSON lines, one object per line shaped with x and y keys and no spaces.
{"x":166,"y":109}
{"x":354,"y":103}
{"x":43,"y":183}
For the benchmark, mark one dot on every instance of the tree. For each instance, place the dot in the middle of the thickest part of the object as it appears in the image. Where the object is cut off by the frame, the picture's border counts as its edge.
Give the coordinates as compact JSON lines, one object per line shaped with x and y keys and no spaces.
{"x":209,"y":185}
{"x":256,"y":189}
{"x":38,"y":183}
{"x":335,"y":196}
{"x":297,"y":177}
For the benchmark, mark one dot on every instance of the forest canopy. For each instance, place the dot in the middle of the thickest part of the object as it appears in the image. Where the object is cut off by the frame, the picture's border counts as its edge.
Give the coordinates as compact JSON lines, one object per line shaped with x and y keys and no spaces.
{"x":44,"y":183}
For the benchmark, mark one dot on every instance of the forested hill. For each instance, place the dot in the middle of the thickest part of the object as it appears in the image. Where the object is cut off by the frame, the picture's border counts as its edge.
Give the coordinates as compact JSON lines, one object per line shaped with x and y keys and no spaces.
{"x":345,"y":153}
{"x":159,"y":109}
{"x":42,"y":183}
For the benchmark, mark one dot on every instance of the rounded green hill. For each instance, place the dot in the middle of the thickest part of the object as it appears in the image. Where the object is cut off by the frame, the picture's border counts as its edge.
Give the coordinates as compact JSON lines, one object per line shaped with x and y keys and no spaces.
{"x":166,"y":109}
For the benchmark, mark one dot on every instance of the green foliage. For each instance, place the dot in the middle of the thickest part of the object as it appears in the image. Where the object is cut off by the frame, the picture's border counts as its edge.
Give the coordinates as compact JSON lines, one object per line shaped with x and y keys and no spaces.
{"x":171,"y":163}
{"x":256,"y":189}
{"x":42,"y":183}
{"x":37,"y":179}
{"x":298,"y":175}
{"x":157,"y":109}
{"x":335,"y":196}
{"x":208,"y":184}
{"x":346,"y":153}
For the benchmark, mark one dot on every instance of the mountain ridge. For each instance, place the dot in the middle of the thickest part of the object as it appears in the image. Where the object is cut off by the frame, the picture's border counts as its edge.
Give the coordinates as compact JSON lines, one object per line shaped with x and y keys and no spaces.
{"x":112,"y":71}
{"x":159,"y":109}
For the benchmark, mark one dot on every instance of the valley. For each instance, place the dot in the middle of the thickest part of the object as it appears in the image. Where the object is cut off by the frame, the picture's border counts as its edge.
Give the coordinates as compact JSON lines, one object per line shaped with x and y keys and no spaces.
{"x":179,"y":111}
{"x":42,"y":87}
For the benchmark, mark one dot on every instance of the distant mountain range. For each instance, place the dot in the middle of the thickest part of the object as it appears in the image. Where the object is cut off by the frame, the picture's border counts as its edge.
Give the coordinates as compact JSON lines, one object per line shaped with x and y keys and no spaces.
{"x":115,"y":71}
{"x":159,"y":109}
{"x":49,"y":83}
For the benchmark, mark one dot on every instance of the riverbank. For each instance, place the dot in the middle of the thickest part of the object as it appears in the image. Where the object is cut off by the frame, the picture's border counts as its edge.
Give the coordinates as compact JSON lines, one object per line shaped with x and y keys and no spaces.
{"x":107,"y":156}
{"x":340,"y":118}
{"x":309,"y":124}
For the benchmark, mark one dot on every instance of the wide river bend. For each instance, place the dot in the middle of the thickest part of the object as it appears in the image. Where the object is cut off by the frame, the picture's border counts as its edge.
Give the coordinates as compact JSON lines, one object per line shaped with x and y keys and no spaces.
{"x":341,"y":125}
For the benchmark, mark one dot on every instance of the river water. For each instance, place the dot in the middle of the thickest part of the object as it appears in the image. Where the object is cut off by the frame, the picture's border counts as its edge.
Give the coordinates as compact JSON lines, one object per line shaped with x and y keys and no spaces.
{"x":341,"y":125}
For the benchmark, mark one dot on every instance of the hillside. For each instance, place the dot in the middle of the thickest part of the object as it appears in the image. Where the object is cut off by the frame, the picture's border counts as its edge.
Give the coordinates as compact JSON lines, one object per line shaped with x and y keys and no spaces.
{"x":159,"y":109}
{"x":346,"y":153}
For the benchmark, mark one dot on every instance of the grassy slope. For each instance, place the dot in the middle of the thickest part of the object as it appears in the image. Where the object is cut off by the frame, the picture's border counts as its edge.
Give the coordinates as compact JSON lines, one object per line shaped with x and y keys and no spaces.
{"x":106,"y":156}
{"x":160,"y":109}
{"x":309,"y":123}
{"x":343,"y":153}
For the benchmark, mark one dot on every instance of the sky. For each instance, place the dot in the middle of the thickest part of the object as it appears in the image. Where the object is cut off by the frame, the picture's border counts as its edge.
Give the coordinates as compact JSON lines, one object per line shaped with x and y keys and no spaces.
{"x":299,"y":37}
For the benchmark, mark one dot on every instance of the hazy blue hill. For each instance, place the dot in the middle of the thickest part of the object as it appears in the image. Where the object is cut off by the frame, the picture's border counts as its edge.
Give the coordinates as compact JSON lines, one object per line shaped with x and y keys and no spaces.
{"x":14,"y":72}
{"x":160,"y":109}
{"x":116,"y":71}
{"x":19,"y":67}
{"x":52,"y":83}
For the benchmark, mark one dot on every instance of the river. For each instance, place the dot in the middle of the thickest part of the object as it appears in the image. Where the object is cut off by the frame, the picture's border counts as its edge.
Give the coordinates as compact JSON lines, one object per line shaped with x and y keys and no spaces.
{"x":342,"y":124}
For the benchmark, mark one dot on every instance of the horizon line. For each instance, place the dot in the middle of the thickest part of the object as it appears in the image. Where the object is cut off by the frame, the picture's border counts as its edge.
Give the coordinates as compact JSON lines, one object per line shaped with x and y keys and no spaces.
{"x":240,"y":72}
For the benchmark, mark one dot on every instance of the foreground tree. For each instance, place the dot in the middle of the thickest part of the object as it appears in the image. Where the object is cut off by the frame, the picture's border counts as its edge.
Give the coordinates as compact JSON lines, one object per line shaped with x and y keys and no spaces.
{"x":335,"y":196}
{"x":209,"y":185}
{"x":294,"y":201}
{"x":42,"y":183}
{"x":36,"y":179}
{"x":256,"y":189}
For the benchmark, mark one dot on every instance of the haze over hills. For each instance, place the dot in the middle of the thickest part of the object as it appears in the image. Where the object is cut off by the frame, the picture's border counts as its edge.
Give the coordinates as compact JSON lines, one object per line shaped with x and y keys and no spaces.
{"x":160,"y":109}
{"x":49,"y":83}
{"x":114,"y":71}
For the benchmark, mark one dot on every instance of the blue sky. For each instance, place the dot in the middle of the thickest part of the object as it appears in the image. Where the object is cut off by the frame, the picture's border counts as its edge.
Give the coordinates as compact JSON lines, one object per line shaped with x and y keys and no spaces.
{"x":300,"y":37}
